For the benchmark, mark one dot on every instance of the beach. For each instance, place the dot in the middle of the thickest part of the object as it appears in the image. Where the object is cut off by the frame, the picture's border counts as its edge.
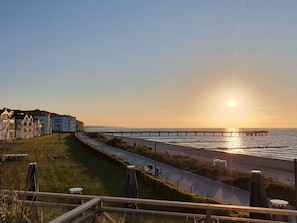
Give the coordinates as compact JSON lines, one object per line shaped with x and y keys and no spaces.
{"x":281,"y":170}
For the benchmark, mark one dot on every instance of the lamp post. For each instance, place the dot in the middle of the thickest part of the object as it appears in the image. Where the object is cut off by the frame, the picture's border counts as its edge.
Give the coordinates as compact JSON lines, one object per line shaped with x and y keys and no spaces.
{"x":155,"y":159}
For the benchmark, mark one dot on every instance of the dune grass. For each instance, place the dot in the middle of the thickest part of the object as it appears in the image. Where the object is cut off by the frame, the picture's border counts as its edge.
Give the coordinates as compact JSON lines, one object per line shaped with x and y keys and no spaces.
{"x":234,"y":178}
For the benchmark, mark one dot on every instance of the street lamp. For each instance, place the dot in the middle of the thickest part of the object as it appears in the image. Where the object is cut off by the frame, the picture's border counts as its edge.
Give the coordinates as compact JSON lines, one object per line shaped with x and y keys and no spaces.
{"x":155,"y":159}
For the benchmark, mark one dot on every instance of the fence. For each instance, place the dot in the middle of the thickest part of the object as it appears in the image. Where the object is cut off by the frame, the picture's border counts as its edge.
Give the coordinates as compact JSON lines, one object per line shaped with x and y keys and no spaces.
{"x":97,"y":209}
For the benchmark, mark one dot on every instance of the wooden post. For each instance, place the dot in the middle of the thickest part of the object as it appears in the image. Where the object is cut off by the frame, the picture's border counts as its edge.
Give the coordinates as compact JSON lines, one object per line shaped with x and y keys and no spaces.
{"x":208,"y":216}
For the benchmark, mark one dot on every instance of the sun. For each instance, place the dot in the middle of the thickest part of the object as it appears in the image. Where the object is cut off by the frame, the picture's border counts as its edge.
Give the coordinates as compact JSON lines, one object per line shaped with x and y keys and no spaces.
{"x":232,"y":103}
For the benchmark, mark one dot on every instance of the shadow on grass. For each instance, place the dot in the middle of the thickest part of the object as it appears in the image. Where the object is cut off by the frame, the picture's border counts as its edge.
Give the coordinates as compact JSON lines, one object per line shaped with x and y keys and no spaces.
{"x":109,"y":173}
{"x":96,"y":167}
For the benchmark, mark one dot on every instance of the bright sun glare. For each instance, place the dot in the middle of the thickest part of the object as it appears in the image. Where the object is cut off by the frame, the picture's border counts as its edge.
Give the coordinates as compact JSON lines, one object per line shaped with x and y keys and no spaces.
{"x":232,"y":103}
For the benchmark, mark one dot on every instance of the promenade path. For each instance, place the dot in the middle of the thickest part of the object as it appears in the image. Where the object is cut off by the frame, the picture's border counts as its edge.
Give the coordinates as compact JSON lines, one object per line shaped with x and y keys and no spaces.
{"x":181,"y":178}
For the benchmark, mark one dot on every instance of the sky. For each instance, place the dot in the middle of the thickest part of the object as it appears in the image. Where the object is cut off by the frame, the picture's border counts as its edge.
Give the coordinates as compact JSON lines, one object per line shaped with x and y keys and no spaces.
{"x":152,"y":64}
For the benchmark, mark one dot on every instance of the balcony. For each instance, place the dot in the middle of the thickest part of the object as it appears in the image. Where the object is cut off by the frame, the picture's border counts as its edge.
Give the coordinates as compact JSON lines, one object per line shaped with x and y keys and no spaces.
{"x":115,"y":209}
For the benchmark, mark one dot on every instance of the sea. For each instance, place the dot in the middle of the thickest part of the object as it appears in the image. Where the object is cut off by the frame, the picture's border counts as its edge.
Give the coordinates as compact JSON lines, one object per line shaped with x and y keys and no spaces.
{"x":276,"y":144}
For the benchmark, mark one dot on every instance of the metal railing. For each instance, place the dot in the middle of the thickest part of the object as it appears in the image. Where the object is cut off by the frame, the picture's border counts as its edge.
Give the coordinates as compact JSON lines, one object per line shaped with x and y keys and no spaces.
{"x":108,"y":209}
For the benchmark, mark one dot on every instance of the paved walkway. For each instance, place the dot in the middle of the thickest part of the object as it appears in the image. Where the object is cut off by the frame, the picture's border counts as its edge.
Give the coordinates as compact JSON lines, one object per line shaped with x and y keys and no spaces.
{"x":181,"y":178}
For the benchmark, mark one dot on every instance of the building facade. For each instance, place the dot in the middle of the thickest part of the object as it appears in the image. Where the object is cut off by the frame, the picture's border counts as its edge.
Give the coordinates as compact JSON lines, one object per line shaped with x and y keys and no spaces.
{"x":64,"y":123}
{"x":18,"y":125}
{"x":24,"y":126}
{"x":7,"y":125}
{"x":37,"y":128}
{"x":45,"y":124}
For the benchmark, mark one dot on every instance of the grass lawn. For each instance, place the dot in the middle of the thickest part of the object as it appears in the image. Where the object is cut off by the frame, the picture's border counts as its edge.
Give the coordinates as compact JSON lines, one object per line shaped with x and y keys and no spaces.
{"x":65,"y":164}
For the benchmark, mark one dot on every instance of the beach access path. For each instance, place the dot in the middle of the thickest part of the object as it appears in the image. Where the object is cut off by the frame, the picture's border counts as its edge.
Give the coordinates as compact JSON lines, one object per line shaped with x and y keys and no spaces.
{"x":180,"y":178}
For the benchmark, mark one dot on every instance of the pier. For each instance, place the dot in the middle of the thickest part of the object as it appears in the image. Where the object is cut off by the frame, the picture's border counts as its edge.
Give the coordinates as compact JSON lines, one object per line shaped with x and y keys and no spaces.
{"x":187,"y":133}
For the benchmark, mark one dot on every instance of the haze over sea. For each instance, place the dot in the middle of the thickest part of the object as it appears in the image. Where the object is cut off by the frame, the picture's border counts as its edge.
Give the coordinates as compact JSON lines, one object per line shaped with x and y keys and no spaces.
{"x":277,"y":144}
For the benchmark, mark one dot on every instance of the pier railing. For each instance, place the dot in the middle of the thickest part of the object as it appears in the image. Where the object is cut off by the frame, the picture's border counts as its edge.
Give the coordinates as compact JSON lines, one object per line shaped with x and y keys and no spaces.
{"x":97,"y":209}
{"x":187,"y":133}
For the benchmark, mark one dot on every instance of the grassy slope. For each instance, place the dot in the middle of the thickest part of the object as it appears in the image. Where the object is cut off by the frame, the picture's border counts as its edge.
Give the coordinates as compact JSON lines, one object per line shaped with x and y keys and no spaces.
{"x":60,"y":166}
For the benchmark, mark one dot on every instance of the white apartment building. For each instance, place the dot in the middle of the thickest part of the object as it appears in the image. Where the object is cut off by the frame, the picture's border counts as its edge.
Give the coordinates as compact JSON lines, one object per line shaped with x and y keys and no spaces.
{"x":64,"y":123}
{"x":18,"y":125}
{"x":24,"y":126}
{"x":37,"y":128}
{"x":7,"y":125}
{"x":45,"y":124}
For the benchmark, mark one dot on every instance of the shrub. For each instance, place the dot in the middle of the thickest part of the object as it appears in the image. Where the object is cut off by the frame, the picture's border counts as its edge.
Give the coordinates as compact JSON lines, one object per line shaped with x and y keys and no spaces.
{"x":12,"y":209}
{"x":235,"y":178}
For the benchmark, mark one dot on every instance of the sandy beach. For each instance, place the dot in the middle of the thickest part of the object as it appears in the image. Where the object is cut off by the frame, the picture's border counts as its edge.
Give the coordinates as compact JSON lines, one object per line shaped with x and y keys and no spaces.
{"x":280,"y":170}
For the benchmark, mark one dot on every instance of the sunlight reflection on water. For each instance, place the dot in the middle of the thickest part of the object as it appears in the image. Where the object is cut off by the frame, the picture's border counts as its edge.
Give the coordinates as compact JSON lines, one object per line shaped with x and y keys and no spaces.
{"x":233,"y":142}
{"x":236,"y":151}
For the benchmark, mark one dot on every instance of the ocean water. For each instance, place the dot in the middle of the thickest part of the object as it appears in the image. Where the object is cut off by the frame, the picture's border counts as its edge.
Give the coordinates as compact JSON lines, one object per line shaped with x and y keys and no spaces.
{"x":277,"y":144}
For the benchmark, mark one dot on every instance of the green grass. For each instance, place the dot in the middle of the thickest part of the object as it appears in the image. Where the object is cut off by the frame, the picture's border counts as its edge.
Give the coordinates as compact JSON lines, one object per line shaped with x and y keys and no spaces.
{"x":60,"y":166}
{"x":71,"y":163}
